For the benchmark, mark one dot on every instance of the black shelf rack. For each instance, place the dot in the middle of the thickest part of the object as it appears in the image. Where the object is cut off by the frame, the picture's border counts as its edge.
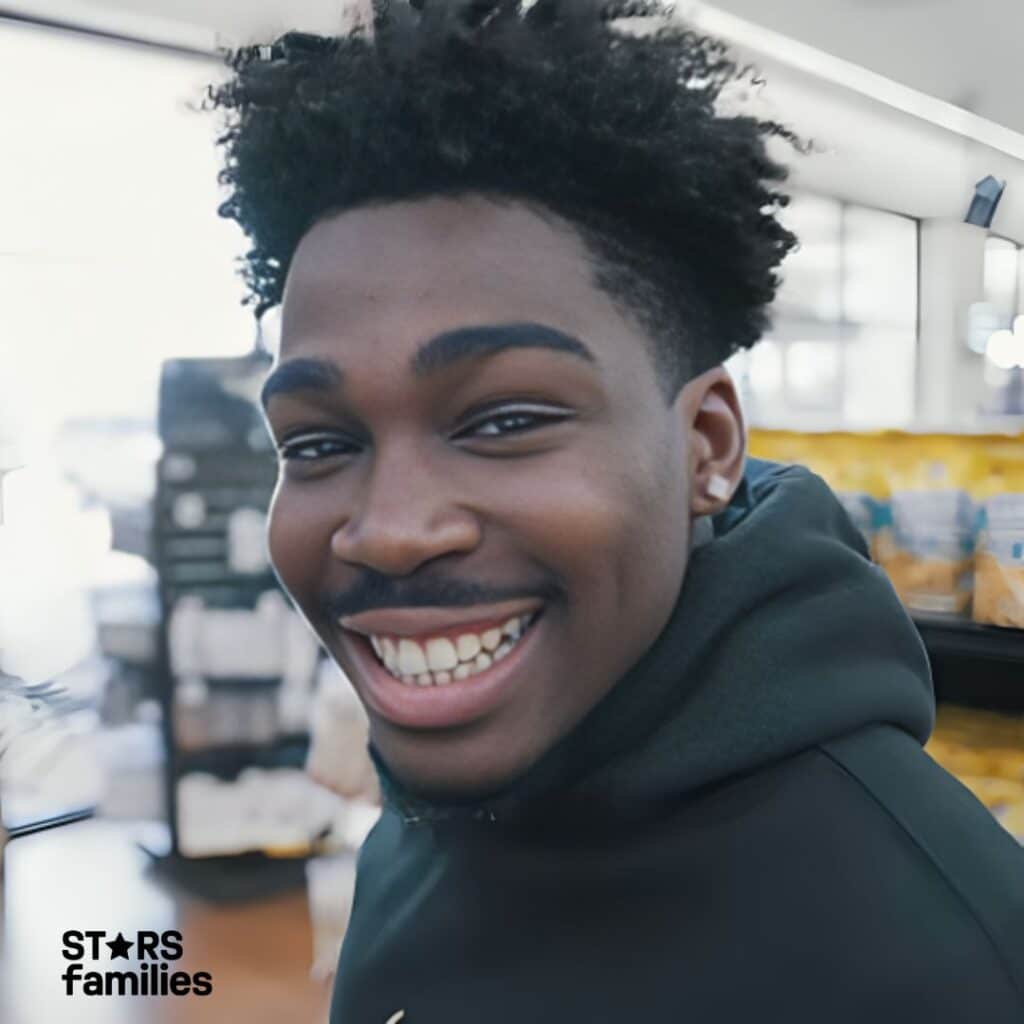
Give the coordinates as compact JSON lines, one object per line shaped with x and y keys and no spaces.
{"x":974,"y":665}
{"x":226,"y":760}
{"x":960,"y":638}
{"x":217,"y":458}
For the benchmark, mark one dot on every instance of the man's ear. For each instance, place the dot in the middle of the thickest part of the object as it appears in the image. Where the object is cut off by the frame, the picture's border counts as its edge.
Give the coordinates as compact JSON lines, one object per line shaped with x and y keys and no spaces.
{"x":718,"y":442}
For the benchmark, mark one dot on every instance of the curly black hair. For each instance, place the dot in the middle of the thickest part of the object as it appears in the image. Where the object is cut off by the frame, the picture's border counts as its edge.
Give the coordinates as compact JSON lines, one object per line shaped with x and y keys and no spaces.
{"x":551,"y":104}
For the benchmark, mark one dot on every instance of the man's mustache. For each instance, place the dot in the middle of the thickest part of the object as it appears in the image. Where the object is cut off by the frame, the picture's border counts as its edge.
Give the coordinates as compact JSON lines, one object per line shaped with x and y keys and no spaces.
{"x":376,"y":590}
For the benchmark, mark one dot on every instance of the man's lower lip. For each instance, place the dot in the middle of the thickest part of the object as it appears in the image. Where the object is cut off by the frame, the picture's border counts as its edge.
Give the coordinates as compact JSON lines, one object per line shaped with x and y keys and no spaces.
{"x":438,"y":707}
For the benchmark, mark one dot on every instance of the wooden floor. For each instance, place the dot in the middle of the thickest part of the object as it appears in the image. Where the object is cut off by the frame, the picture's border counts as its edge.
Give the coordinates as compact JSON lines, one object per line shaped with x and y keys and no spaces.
{"x":90,"y":875}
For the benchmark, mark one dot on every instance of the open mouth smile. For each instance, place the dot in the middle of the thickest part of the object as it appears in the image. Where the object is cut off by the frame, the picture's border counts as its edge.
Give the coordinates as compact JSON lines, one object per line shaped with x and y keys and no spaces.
{"x":444,"y":678}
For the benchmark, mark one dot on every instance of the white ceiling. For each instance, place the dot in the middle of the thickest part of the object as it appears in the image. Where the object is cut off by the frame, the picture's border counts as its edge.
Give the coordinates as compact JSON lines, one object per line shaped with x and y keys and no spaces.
{"x":966,"y":52}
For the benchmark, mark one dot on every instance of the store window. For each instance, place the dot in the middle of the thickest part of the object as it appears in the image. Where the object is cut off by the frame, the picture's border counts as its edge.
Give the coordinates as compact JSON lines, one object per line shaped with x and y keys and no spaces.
{"x":113,"y":260}
{"x":114,"y":257}
{"x":998,"y":324}
{"x":1002,"y":278}
{"x":848,"y":305}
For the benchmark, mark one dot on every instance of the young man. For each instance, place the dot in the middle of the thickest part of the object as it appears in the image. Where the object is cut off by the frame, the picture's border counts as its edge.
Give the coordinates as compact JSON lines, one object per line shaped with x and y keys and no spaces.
{"x":647,"y":720}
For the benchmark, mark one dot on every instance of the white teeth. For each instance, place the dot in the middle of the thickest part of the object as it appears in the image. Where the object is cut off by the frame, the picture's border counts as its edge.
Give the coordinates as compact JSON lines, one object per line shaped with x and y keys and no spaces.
{"x":441,"y":655}
{"x":443,"y":661}
{"x":468,"y":646}
{"x":411,"y":659}
{"x":513,"y":627}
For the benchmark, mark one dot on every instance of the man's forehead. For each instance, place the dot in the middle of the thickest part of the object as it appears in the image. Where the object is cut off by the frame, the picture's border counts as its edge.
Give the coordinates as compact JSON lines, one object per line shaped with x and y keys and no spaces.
{"x":450,"y":262}
{"x":450,"y":221}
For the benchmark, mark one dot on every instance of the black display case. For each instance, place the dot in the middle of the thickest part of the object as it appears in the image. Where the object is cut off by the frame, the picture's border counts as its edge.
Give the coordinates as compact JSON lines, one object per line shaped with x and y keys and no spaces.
{"x":217,"y":458}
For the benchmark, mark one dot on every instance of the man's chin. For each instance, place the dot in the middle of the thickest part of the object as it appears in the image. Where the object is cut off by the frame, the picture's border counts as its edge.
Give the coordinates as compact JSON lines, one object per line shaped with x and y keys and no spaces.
{"x":448,"y":776}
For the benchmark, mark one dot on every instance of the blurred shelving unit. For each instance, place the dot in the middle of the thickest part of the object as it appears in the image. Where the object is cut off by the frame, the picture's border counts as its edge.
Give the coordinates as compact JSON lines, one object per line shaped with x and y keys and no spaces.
{"x":217,"y":462}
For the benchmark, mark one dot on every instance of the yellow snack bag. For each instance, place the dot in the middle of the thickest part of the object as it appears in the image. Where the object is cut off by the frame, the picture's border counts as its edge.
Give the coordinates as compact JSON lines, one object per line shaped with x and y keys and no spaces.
{"x":934,"y":523}
{"x":999,"y":562}
{"x":999,"y":558}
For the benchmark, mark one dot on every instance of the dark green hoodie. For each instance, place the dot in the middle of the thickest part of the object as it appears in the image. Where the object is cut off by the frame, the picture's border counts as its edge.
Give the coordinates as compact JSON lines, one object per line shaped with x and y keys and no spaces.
{"x":745,"y":828}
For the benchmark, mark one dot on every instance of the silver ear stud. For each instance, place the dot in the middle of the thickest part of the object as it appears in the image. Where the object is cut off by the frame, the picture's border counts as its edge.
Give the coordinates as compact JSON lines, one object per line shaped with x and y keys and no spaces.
{"x":718,"y":487}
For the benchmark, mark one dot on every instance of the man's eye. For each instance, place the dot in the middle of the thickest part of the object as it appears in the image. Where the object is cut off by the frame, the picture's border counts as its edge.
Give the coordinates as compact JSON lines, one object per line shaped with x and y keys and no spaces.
{"x":511,"y":421}
{"x":313,"y":447}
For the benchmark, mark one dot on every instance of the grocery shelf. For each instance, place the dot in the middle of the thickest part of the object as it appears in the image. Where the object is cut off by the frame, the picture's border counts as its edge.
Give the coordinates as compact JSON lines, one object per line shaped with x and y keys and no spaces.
{"x":948,"y":636}
{"x":217,"y":459}
{"x":227,"y":760}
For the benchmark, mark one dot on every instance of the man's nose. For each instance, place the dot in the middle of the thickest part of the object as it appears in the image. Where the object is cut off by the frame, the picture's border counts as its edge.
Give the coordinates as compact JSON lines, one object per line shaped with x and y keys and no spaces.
{"x":405,"y":515}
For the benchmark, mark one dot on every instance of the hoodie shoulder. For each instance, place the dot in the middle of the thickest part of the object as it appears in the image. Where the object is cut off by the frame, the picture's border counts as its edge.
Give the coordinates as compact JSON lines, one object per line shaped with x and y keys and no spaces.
{"x":765,"y":484}
{"x":758,"y":469}
{"x":980,"y":863}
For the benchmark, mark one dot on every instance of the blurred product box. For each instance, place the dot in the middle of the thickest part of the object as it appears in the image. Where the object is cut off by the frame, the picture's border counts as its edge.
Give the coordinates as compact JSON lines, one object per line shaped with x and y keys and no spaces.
{"x":999,"y":563}
{"x":942,"y":514}
{"x":931,"y":558}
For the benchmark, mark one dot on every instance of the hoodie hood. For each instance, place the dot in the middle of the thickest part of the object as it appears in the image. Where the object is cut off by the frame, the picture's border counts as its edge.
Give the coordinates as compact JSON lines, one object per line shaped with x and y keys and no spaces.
{"x":784,"y":636}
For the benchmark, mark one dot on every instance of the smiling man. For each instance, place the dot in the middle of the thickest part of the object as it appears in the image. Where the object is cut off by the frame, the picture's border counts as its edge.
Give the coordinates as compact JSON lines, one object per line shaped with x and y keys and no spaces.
{"x":455,"y":455}
{"x":647,"y":721}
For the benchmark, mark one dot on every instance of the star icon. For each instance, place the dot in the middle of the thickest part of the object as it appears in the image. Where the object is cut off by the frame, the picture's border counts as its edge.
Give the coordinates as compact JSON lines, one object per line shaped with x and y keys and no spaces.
{"x":119,"y":947}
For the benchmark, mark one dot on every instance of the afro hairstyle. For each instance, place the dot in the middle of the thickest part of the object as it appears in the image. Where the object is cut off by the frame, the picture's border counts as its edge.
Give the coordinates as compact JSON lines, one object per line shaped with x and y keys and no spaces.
{"x":556,"y":104}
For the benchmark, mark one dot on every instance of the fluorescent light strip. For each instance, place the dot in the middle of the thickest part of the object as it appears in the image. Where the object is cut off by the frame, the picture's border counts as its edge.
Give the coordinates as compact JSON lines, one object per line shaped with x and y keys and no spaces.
{"x":120,"y":24}
{"x":834,"y":69}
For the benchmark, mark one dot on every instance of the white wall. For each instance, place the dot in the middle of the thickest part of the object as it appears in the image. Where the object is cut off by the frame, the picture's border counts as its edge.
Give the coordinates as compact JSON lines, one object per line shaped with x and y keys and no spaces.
{"x":871,"y":153}
{"x":949,"y":374}
{"x":868,"y":152}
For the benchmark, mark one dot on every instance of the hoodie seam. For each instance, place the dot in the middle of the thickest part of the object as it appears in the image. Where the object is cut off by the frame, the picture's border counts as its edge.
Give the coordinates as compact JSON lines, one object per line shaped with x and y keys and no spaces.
{"x":937,"y":867}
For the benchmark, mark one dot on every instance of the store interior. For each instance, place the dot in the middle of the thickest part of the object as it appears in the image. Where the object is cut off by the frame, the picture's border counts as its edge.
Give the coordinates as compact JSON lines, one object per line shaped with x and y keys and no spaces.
{"x":167,"y":718}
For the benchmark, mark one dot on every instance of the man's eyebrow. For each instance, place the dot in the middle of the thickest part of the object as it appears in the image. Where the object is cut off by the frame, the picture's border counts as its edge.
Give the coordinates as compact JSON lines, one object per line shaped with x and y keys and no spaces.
{"x":301,"y":375}
{"x":433,"y":356}
{"x":450,"y":347}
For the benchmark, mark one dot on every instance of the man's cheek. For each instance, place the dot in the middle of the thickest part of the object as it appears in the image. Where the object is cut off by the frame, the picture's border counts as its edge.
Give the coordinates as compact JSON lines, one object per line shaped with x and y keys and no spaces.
{"x":292,"y":547}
